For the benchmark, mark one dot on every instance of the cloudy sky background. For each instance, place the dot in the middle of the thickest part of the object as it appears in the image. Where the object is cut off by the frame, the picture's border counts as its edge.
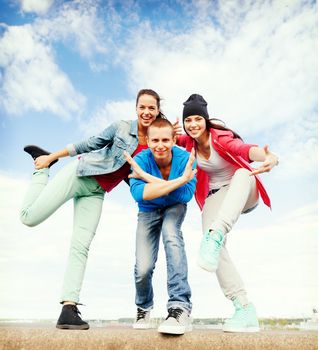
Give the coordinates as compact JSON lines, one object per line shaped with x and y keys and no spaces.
{"x":69,"y":68}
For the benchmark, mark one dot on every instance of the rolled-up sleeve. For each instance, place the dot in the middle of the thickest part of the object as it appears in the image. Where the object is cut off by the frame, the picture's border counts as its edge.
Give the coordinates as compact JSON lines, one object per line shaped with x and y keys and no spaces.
{"x":137,"y":189}
{"x":137,"y":185}
{"x":94,"y":142}
{"x":71,"y":150}
{"x":236,"y":146}
{"x":184,"y":193}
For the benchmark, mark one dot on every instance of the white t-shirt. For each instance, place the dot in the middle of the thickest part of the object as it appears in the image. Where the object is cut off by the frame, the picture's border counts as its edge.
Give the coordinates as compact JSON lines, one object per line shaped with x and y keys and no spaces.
{"x":219,"y":170}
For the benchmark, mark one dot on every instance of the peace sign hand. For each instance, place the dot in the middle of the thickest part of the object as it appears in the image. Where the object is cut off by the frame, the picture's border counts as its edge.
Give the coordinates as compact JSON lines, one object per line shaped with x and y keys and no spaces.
{"x":270,"y":161}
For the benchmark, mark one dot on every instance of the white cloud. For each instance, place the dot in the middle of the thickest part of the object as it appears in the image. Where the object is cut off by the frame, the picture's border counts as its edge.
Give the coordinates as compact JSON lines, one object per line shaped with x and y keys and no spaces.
{"x":297,"y":147}
{"x":257,"y":68}
{"x":303,"y":216}
{"x":111,"y":111}
{"x":31,"y":79}
{"x":39,"y":7}
{"x":79,"y":26}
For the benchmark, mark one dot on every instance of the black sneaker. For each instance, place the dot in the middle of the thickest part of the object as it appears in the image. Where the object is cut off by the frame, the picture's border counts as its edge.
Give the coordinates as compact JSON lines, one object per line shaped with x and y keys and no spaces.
{"x":70,"y":318}
{"x":35,"y":151}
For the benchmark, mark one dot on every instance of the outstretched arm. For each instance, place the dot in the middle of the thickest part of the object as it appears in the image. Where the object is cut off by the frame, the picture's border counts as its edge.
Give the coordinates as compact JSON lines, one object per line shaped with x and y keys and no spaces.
{"x":88,"y":145}
{"x":268,"y":158}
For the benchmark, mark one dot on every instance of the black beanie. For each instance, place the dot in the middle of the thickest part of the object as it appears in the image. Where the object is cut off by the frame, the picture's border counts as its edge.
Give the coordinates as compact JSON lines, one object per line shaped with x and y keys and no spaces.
{"x":195,"y":105}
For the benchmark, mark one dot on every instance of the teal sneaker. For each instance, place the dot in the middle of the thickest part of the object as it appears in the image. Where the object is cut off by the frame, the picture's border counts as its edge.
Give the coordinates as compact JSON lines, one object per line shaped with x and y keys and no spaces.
{"x":210,"y":248}
{"x":244,"y":319}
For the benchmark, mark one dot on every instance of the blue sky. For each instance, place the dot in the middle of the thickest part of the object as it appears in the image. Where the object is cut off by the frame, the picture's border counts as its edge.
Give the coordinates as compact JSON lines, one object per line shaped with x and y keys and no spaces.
{"x":69,"y":68}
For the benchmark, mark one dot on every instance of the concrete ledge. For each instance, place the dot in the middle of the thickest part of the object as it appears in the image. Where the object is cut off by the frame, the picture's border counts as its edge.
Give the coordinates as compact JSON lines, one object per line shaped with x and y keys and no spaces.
{"x":49,"y":338}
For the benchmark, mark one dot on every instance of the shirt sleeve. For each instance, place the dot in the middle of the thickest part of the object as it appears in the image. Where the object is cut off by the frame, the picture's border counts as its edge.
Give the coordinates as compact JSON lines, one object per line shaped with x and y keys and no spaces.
{"x":93,"y":143}
{"x":181,"y":140}
{"x":236,"y":146}
{"x":137,"y":185}
{"x":184,"y":194}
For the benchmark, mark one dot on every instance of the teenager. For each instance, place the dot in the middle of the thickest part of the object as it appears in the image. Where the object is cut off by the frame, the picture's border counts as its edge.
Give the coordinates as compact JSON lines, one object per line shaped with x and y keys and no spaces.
{"x":162,"y":183}
{"x":227,"y":187}
{"x":85,"y":180}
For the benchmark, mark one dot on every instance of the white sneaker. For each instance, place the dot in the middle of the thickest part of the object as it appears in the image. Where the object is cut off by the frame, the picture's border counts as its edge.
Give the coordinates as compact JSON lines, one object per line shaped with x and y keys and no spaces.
{"x":178,"y":321}
{"x":142,"y":319}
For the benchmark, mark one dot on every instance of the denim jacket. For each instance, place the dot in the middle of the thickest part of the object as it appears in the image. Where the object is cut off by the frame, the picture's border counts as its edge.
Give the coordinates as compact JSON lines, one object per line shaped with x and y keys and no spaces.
{"x":104,"y":152}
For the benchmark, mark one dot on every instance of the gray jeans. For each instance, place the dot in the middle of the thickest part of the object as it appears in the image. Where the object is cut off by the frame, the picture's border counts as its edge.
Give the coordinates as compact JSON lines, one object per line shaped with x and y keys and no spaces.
{"x":221,"y":211}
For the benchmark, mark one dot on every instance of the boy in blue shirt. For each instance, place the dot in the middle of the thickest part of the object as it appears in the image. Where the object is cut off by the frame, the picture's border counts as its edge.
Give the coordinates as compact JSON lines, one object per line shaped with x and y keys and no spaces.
{"x":162,"y":182}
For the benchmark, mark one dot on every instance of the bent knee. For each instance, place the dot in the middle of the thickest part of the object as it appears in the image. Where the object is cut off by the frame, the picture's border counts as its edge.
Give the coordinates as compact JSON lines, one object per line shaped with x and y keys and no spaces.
{"x":27,"y":220}
{"x":242,"y":172}
{"x":245,"y":174}
{"x":143,"y":272}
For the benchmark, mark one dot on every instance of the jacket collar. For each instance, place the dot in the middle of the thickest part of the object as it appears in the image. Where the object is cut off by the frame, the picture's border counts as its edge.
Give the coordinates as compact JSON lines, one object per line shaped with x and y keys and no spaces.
{"x":134,"y":128}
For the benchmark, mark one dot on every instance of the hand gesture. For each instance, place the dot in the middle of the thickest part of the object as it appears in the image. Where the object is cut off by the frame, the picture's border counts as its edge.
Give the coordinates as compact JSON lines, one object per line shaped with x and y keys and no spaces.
{"x":270,"y":161}
{"x":42,"y":162}
{"x":177,"y":128}
{"x":189,"y":173}
{"x":137,"y":173}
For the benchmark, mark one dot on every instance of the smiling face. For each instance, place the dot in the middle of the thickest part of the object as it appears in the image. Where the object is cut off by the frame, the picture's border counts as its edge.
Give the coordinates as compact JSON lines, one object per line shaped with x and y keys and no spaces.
{"x":147,"y":110}
{"x":160,"y":142}
{"x":195,"y":126}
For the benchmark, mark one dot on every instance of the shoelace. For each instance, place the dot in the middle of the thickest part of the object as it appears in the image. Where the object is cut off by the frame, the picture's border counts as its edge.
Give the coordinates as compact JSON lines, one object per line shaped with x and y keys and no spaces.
{"x":141,"y":314}
{"x":175,"y":313}
{"x":76,"y":311}
{"x":216,"y":239}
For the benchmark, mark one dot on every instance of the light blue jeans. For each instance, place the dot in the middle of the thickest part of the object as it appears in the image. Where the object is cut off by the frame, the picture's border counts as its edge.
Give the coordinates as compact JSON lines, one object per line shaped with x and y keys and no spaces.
{"x":44,"y":197}
{"x":167,"y":221}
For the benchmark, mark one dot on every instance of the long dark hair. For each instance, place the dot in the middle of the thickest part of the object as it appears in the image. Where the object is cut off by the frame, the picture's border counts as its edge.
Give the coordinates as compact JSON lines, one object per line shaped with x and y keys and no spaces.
{"x":153,"y":94}
{"x":215,"y":124}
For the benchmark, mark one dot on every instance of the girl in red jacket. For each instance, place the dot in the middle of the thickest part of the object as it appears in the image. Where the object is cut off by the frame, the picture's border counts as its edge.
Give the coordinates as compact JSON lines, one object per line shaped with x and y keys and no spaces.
{"x":227,"y":186}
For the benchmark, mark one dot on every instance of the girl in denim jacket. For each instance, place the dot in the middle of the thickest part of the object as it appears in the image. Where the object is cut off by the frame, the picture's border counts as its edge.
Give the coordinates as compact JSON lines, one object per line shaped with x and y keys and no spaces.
{"x":85,"y":180}
{"x":227,"y":186}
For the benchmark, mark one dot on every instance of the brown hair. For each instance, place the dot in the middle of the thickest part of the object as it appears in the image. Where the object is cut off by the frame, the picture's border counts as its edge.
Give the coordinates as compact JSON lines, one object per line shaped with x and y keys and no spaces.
{"x":216,"y":125}
{"x":161,"y":123}
{"x":153,"y":94}
{"x":210,"y":124}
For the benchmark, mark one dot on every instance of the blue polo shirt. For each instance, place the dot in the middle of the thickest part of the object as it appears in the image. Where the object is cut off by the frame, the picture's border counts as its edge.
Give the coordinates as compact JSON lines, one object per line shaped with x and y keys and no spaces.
{"x":183,"y":194}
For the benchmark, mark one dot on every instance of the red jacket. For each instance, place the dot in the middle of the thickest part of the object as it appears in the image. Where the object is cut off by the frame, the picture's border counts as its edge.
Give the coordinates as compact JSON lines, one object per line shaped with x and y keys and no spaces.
{"x":234,"y":150}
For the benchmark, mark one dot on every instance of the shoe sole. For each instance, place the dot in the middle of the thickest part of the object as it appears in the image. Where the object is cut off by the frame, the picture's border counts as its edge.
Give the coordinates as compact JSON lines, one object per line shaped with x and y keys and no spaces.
{"x":72,"y":327}
{"x":205,"y":265}
{"x":146,"y":326}
{"x":174,"y":330}
{"x":28,"y":148}
{"x":241,"y":330}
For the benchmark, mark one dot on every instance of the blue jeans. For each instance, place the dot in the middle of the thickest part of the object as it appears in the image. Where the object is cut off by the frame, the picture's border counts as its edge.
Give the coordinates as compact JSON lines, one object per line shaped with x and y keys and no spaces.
{"x":150,"y":224}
